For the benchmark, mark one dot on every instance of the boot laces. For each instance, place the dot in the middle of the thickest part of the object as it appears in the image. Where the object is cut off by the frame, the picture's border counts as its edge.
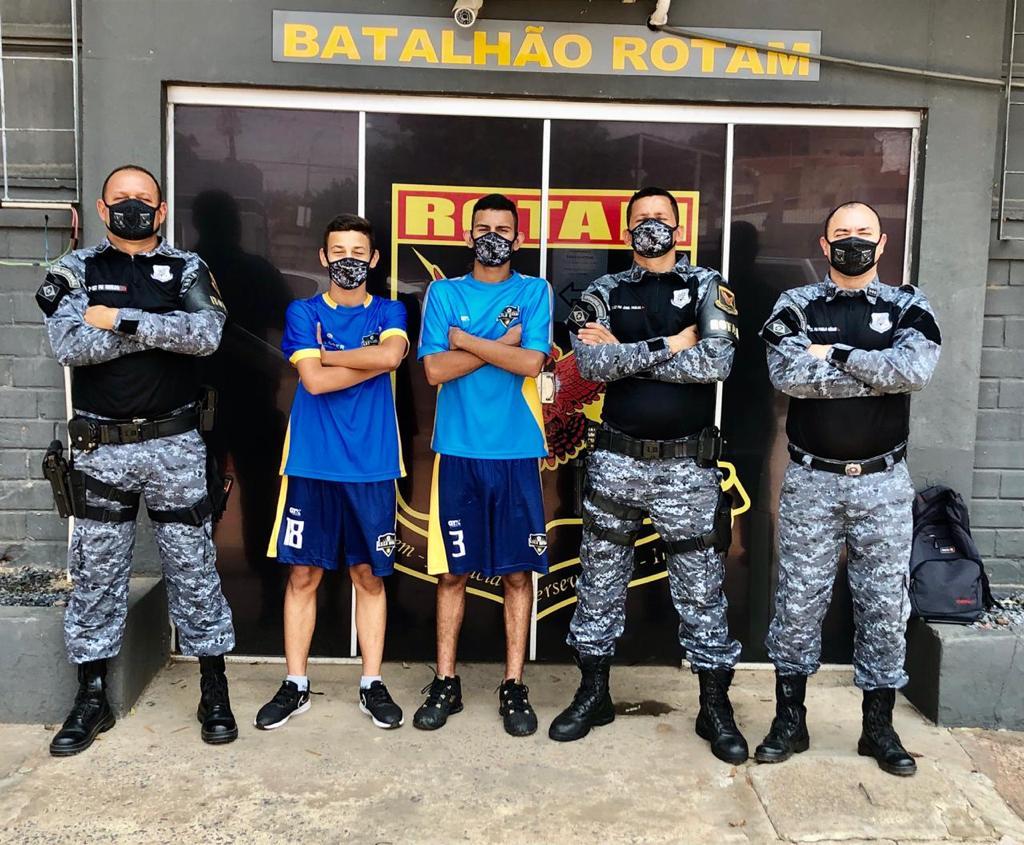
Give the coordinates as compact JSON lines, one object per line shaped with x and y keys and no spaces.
{"x":720,"y":708}
{"x":214,"y":688}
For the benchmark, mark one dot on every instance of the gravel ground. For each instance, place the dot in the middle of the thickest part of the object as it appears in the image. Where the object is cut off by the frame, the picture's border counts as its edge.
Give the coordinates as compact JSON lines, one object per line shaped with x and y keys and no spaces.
{"x":1009,"y":614}
{"x":31,"y":586}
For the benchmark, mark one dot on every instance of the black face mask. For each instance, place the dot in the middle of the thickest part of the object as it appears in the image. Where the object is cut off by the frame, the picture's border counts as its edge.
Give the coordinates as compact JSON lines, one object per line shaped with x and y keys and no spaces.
{"x":131,"y":219}
{"x":492,"y":250}
{"x":652,"y":238}
{"x":852,"y":256}
{"x":348,"y":273}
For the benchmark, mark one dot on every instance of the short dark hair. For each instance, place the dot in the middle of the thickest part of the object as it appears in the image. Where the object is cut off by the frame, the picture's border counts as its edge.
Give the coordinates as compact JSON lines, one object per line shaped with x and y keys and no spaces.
{"x":651,"y":191}
{"x":350,"y":223}
{"x":496,"y":202}
{"x":850,"y":204}
{"x":140,"y":169}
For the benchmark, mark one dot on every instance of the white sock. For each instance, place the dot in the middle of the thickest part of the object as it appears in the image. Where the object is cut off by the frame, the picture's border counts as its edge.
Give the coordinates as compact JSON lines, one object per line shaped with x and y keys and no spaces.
{"x":301,"y":681}
{"x":366,"y":680}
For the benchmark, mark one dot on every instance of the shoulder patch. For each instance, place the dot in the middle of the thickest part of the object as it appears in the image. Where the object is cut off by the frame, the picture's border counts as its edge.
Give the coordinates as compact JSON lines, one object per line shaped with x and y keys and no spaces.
{"x":726,"y":300}
{"x":53,"y":289}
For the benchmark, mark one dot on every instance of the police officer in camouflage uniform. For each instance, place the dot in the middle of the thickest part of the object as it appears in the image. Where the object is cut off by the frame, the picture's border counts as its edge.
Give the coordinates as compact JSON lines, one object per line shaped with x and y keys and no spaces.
{"x":848,"y":351}
{"x":660,"y":334}
{"x":129,"y":316}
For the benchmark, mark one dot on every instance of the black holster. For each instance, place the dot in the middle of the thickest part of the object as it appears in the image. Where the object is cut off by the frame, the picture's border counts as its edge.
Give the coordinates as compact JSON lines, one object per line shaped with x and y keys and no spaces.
{"x":57,"y":471}
{"x":218,"y":487}
{"x":709,"y":447}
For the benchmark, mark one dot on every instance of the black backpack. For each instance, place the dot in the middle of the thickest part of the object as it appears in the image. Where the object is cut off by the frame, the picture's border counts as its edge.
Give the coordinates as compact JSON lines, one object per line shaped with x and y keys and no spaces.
{"x":948,"y":582}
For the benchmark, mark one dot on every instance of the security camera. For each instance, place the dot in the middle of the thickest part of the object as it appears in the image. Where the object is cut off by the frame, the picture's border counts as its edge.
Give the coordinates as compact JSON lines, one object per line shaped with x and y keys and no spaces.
{"x":465,"y":12}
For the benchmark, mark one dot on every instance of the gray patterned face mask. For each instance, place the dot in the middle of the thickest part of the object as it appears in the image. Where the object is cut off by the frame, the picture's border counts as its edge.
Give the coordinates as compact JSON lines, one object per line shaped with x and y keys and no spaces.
{"x":652,"y":238}
{"x":492,"y":250}
{"x":348,"y":273}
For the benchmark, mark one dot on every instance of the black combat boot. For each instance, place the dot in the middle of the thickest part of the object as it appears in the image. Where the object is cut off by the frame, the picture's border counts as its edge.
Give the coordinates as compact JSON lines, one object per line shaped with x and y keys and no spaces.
{"x":715,"y":721}
{"x":591,"y":706}
{"x":90,"y":715}
{"x":879,"y":739}
{"x":788,"y":733}
{"x":214,"y":705}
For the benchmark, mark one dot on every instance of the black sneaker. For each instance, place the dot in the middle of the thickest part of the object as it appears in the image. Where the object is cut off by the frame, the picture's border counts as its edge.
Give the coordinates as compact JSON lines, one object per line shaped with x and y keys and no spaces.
{"x":376,"y":702}
{"x":287,"y":702}
{"x":514,"y":708}
{"x":443,"y":700}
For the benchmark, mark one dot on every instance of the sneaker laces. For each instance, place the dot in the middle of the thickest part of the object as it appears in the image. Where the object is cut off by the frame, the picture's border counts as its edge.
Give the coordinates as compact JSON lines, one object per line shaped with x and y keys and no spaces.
{"x":435,"y":691}
{"x":515,"y":697}
{"x":285,"y":697}
{"x":377,"y":694}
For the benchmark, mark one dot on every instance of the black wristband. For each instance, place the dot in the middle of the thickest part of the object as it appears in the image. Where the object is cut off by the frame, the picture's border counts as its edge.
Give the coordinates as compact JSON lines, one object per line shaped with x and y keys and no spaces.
{"x":839,"y":354}
{"x":656,"y":344}
{"x":128,"y":326}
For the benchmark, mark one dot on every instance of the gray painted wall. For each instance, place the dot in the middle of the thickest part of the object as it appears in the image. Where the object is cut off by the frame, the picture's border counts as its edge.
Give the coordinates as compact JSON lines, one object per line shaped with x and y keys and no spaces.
{"x":133,"y":47}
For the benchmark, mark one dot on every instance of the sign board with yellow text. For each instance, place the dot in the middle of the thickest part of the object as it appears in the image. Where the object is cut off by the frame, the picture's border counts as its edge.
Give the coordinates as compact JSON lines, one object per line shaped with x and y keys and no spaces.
{"x":542,"y":46}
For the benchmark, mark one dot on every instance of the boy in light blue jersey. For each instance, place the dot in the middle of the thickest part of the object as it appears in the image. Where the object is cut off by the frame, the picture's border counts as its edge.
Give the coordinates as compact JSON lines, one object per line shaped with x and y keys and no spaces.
{"x":484,"y":340}
{"x":341,"y":458}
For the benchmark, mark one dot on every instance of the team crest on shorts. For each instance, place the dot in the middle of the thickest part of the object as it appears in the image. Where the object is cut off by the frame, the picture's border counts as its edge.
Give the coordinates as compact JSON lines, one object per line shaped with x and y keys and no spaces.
{"x":386,"y":543}
{"x":162,"y":272}
{"x":509,"y":314}
{"x":881,"y":322}
{"x":539,"y":543}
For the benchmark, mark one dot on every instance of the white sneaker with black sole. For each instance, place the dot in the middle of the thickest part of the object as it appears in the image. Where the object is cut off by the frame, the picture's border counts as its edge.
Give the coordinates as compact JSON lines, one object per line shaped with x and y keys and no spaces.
{"x":376,"y":702}
{"x":287,"y":702}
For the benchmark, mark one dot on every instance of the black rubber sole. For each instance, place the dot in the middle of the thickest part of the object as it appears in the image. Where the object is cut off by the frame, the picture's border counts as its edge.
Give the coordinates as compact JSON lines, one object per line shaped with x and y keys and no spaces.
{"x":596,"y":723}
{"x":865,"y":750}
{"x":771,"y":757}
{"x":217,"y":737}
{"x":72,"y":750}
{"x":456,"y":709}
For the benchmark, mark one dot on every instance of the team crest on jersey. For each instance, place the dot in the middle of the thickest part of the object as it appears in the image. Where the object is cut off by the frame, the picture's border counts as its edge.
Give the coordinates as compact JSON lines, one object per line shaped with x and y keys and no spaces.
{"x":539,"y":543}
{"x":681,"y":297}
{"x":509,"y":314}
{"x":881,"y":322}
{"x":386,"y":543}
{"x":726,"y":300}
{"x":162,"y":272}
{"x":371,"y":339}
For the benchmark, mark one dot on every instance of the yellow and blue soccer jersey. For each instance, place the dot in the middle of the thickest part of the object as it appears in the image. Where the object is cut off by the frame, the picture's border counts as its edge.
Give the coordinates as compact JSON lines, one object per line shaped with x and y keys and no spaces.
{"x":351,"y":434}
{"x":489,"y":413}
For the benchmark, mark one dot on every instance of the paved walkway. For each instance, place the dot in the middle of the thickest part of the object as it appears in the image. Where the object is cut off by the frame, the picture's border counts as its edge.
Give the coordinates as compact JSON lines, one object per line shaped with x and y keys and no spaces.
{"x":329,"y":776}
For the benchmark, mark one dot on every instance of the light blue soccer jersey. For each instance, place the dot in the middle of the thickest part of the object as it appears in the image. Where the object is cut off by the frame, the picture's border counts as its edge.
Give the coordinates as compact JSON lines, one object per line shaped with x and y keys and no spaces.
{"x":351,"y":434}
{"x":489,"y":413}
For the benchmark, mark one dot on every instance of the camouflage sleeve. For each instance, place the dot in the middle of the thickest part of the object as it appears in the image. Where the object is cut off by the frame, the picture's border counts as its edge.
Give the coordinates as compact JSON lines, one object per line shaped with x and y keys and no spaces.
{"x":793,"y":370}
{"x":711,"y":359}
{"x":195,"y":330}
{"x":611,"y":361}
{"x":74,"y":342}
{"x":908,"y":364}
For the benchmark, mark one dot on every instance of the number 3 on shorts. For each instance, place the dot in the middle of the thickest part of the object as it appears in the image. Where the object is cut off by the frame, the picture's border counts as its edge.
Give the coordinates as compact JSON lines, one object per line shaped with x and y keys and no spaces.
{"x":458,"y":543}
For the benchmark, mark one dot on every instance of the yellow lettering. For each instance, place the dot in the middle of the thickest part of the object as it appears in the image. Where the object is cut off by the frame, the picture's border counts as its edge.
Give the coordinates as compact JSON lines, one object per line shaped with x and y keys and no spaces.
{"x":418,"y":46}
{"x":340,"y":41}
{"x":789,"y":63}
{"x":658,"y":49}
{"x":380,"y":36}
{"x":745,"y":58}
{"x":533,"y":50}
{"x":448,"y":54}
{"x":584,"y":217}
{"x":532,"y":214}
{"x":707,"y":49}
{"x":631,"y":47}
{"x":482,"y":49}
{"x":429,"y":217}
{"x":584,"y":50}
{"x":300,"y":41}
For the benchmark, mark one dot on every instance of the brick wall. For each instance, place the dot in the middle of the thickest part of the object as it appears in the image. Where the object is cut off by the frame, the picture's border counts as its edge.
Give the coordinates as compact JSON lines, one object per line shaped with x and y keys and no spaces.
{"x":997,"y":503}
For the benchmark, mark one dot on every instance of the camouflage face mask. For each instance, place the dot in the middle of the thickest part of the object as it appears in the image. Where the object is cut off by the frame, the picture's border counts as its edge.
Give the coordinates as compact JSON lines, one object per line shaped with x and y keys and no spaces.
{"x":492,"y":250}
{"x":348,"y":273}
{"x":652,"y":238}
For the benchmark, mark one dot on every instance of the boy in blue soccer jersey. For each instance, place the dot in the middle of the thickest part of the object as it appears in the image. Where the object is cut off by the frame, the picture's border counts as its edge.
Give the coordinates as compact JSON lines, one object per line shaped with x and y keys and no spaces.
{"x":341,"y":459}
{"x":484,"y":340}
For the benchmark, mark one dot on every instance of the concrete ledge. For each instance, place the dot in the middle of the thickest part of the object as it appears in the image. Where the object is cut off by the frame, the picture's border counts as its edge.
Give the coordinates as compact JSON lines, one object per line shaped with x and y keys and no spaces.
{"x":966,"y":677}
{"x":39,"y":682}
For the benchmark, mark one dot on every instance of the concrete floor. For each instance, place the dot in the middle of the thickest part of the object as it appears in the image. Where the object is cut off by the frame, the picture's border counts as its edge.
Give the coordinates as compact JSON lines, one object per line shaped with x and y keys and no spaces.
{"x":330,"y":776}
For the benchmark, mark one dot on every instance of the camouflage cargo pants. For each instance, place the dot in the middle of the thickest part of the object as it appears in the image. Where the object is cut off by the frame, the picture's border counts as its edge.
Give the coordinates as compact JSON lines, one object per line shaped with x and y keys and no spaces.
{"x":680,"y":498}
{"x":818,"y":512}
{"x":170,"y":473}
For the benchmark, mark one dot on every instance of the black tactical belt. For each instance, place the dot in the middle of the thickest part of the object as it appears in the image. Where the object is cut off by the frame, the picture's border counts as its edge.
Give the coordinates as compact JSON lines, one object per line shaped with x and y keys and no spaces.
{"x":850,"y":468}
{"x":623,"y":444}
{"x":87,"y":434}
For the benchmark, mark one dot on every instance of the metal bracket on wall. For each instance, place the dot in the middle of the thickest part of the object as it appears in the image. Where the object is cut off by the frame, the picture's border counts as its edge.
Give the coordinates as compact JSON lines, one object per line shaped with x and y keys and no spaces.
{"x":1006,"y":195}
{"x":29,"y":52}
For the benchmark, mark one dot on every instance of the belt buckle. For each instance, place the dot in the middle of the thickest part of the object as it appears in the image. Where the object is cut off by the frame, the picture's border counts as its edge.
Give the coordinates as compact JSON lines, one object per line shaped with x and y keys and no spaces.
{"x":650,"y":449}
{"x":132,"y":432}
{"x":853,"y":470}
